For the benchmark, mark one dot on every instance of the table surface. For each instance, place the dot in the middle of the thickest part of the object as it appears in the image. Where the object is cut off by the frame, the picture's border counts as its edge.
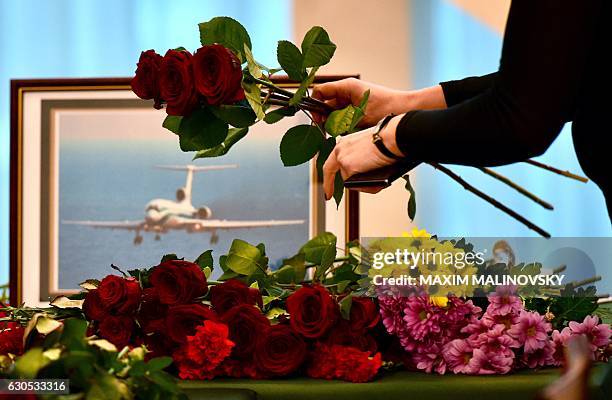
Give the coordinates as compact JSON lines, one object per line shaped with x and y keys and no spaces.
{"x":404,"y":385}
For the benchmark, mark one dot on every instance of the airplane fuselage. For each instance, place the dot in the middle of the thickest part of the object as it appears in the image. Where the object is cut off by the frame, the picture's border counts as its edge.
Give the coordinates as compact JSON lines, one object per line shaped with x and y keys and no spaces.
{"x":166,"y":213}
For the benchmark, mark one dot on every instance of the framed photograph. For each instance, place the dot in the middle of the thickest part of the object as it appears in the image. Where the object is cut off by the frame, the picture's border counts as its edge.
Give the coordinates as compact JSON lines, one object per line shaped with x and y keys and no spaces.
{"x":96,"y":180}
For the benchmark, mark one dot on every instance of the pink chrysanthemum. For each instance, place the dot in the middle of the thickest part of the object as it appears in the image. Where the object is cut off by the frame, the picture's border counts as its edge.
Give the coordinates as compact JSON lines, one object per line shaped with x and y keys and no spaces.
{"x":559,"y":341}
{"x":420,"y":317}
{"x":457,"y":354}
{"x":392,"y":312}
{"x":431,"y":360}
{"x":508,"y":320}
{"x":597,"y":334}
{"x":489,"y":362}
{"x":540,"y":357}
{"x":531,"y":331}
{"x":504,"y":301}
{"x":497,"y":339}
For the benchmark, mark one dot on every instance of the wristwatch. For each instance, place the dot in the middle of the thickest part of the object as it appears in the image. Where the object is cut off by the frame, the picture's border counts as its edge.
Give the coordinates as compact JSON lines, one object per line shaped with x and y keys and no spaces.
{"x":378,"y":141}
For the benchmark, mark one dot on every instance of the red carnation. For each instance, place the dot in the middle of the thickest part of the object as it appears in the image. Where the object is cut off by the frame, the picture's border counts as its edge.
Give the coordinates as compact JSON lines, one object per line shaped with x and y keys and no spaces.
{"x":246,"y":324}
{"x":120,"y":295}
{"x":232,"y":293}
{"x":279,"y":351}
{"x":204,"y":351}
{"x":176,"y":82}
{"x":178,"y":282}
{"x":182,"y":320}
{"x":364,"y":314}
{"x":342,"y":334}
{"x":146,"y":81}
{"x":117,"y":329}
{"x":342,"y":362}
{"x":312,"y":311}
{"x":217,"y":75}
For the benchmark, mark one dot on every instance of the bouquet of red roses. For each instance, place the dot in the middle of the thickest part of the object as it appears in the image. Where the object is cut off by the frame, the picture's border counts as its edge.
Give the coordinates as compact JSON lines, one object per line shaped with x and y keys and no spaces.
{"x":215,"y":329}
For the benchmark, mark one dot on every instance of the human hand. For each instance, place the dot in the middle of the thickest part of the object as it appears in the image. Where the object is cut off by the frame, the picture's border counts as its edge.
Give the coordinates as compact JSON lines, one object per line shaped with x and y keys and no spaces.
{"x":357,"y":153}
{"x":382,"y":101}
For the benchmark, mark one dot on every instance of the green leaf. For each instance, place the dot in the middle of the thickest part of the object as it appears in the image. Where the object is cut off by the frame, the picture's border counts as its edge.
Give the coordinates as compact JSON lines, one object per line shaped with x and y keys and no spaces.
{"x":300,"y":144}
{"x":73,"y":334}
{"x":253,"y":66}
{"x":285,"y":274}
{"x":359,"y":111}
{"x":276,"y":115}
{"x":326,"y":148}
{"x":28,"y":365}
{"x":317,"y":48}
{"x":253,"y":96}
{"x":172,"y":123}
{"x":338,"y":188}
{"x":327,"y":260}
{"x":299,"y":266}
{"x":233,"y":136}
{"x":291,"y":60}
{"x":202,"y":130}
{"x":205,"y":260}
{"x":301,"y":92}
{"x":169,"y":257}
{"x":316,"y":247}
{"x":339,"y":121}
{"x":412,"y":199}
{"x":46,"y":325}
{"x":243,"y":257}
{"x":226,"y":31}
{"x":345,"y":306}
{"x":235,"y":115}
{"x":159,"y":363}
{"x":165,"y":381}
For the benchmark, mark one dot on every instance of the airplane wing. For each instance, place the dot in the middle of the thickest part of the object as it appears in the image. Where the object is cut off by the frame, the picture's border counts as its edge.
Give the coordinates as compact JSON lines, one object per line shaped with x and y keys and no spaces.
{"x":126,"y":225}
{"x":220,"y":224}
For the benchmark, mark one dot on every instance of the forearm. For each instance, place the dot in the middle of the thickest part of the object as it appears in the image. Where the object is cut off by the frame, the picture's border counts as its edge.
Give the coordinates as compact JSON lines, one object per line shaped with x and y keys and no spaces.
{"x":431,"y":98}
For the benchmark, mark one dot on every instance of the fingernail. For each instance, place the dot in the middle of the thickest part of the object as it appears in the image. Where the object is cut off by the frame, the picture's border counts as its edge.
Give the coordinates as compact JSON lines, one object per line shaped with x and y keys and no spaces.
{"x":326,"y":197}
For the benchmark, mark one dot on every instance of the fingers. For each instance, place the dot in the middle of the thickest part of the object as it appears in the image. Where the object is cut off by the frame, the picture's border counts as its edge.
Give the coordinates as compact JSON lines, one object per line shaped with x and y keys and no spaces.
{"x":326,"y":91}
{"x":330,"y":168}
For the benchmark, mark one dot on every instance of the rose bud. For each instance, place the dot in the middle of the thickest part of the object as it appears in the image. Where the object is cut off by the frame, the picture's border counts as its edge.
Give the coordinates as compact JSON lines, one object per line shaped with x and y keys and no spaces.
{"x":145,"y":83}
{"x":182,"y":320}
{"x":178,"y":282}
{"x":217,"y":75}
{"x":232,"y":293}
{"x":280,"y":351}
{"x":312,"y":311}
{"x":176,"y":83}
{"x":246,"y":323}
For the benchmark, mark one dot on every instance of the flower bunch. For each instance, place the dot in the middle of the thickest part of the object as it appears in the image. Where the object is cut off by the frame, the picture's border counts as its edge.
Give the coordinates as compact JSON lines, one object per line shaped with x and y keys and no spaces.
{"x":457,"y":336}
{"x":222,"y":330}
{"x":11,"y":336}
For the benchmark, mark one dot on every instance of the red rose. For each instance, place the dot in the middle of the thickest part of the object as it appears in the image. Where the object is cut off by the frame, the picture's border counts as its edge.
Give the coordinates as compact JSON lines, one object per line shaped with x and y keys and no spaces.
{"x":217,"y":75}
{"x":279,"y":351}
{"x":11,"y":337}
{"x":232,"y":293}
{"x":312,"y":311}
{"x":146,"y":81}
{"x":152,"y":313}
{"x":176,"y":83}
{"x":93,"y":307}
{"x":246,"y":323}
{"x":117,"y":330}
{"x":182,"y":320}
{"x":178,"y":282}
{"x":364,"y":314}
{"x":121,"y":295}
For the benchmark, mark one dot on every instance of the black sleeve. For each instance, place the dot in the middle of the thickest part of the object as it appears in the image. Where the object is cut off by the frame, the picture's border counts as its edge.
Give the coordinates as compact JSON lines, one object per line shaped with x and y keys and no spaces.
{"x":457,"y":91}
{"x":545,"y":52}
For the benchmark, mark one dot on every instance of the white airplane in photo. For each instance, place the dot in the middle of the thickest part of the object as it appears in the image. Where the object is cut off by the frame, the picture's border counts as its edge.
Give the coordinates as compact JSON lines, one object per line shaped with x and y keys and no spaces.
{"x":163,"y":215}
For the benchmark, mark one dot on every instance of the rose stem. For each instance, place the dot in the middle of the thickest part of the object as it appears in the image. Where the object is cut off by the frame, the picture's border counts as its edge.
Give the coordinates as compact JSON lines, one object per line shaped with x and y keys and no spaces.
{"x":284,"y":103}
{"x":313,"y":121}
{"x":308,"y":99}
{"x":516,"y":187}
{"x":557,"y":171}
{"x":490,"y":200}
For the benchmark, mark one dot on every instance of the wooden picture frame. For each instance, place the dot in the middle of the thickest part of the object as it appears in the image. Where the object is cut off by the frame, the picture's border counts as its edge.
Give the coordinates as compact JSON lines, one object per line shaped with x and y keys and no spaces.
{"x":28,"y":248}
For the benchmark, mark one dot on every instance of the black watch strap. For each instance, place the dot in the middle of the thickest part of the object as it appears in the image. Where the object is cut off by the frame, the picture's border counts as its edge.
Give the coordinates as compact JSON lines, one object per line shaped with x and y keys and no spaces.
{"x":378,"y":142}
